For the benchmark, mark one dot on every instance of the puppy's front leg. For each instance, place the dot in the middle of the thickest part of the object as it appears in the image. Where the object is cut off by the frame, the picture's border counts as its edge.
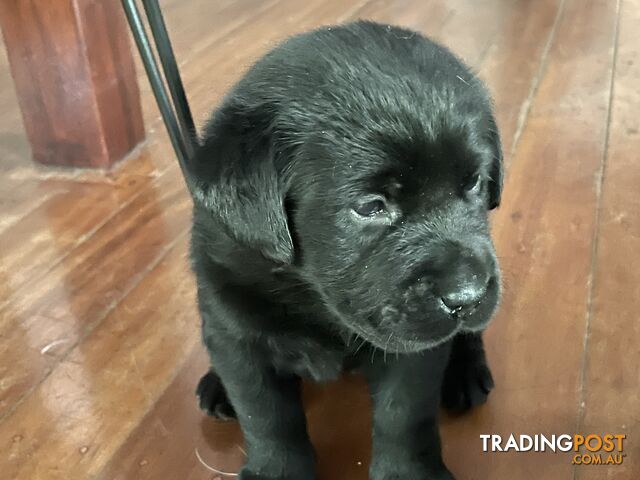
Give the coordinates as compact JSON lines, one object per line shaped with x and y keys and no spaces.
{"x":406,"y":395}
{"x":467,"y":379}
{"x":270,"y":412}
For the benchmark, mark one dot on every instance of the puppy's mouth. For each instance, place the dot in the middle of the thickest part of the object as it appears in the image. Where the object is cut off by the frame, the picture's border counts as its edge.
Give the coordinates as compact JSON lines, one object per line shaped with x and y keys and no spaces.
{"x":395,"y":341}
{"x":417,"y":326}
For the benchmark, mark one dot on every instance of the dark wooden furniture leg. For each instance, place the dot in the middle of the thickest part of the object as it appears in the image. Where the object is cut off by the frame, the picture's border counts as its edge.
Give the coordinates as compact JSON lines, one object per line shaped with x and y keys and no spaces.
{"x":75,"y":79}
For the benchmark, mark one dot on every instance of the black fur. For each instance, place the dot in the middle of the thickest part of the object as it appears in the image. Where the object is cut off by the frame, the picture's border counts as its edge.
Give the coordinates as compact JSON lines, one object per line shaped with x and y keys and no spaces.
{"x":294,"y":283}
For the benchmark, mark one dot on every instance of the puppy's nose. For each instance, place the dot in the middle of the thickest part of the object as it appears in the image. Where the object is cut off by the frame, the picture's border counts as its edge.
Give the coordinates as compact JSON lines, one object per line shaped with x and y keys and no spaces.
{"x":465,"y":297}
{"x":464,"y":281}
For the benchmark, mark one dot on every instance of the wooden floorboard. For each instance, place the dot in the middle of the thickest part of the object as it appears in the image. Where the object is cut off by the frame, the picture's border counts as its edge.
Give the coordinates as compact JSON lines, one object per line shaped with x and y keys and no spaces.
{"x":72,"y":422}
{"x":516,"y":61}
{"x":99,"y":337}
{"x":544,"y":234}
{"x":610,"y":391}
{"x":76,"y":293}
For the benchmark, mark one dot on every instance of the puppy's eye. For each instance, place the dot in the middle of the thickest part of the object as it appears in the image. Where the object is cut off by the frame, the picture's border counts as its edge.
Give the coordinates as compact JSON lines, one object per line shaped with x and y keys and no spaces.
{"x":474,"y":184}
{"x":370,"y":208}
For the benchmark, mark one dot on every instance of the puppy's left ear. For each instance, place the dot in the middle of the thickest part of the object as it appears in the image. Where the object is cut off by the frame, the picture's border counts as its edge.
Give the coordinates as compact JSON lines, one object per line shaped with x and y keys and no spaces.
{"x":496,"y":171}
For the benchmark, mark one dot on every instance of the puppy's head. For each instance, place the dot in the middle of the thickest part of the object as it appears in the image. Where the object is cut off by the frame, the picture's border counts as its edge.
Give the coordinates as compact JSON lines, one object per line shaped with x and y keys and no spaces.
{"x":370,"y":176}
{"x":397,"y":241}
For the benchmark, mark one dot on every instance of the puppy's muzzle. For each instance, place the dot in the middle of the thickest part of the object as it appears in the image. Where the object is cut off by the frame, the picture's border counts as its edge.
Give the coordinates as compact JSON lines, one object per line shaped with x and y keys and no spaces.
{"x":463,"y":280}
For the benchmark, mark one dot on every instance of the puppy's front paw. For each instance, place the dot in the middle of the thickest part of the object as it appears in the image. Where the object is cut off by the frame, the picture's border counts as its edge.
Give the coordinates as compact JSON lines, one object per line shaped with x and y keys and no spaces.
{"x":443,"y":474}
{"x":246,"y":474}
{"x":467,"y":381}
{"x":434,"y":473}
{"x":213,"y":397}
{"x":297,"y":472}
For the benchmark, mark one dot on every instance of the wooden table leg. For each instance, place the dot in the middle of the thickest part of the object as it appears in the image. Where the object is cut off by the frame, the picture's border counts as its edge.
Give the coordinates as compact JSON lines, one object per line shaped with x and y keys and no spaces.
{"x":75,"y":79}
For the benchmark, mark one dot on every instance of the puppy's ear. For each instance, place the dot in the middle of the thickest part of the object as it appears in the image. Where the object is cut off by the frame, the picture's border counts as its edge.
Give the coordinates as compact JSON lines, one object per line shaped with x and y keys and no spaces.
{"x":496,"y":171}
{"x":238,"y":182}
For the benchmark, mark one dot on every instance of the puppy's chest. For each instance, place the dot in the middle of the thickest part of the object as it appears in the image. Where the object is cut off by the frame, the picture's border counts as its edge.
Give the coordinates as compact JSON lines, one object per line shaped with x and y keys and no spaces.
{"x":302,"y":338}
{"x":310,"y":354}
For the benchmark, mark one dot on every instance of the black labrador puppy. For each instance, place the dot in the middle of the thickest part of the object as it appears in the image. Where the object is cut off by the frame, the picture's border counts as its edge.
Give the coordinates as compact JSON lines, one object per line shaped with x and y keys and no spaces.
{"x":341,"y":194}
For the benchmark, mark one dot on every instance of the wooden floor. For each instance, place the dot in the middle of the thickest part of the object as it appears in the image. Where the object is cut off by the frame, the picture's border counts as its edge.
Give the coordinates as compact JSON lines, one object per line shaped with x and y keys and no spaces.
{"x":99,"y":337}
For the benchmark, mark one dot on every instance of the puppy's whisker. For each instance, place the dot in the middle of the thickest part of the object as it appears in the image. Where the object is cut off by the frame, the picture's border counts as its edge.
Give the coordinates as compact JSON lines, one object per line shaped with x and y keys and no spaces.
{"x":350,"y":339}
{"x":354,"y":337}
{"x":384,"y":357}
{"x":462,"y":79}
{"x":360,"y":346}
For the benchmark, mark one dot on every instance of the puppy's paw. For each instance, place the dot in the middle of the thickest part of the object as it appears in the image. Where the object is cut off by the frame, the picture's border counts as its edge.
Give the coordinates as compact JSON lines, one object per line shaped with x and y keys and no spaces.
{"x":213,"y":397}
{"x":290,"y":461}
{"x":437,"y":473}
{"x":247,"y":474}
{"x":295,"y":471}
{"x":467,"y":382}
{"x":442,"y":475}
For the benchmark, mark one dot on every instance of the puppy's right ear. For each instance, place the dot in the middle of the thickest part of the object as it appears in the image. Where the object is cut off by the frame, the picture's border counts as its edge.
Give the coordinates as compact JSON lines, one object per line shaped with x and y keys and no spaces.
{"x":237,"y":180}
{"x":497,"y":166}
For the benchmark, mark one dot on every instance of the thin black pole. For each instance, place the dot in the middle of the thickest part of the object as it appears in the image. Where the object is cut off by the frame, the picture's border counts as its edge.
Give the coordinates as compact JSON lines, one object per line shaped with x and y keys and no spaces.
{"x":153,"y":72}
{"x":171,"y":73}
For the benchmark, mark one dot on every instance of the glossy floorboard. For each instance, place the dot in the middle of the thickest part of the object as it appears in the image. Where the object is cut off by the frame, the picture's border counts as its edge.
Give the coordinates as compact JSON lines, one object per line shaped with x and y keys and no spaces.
{"x":99,"y":339}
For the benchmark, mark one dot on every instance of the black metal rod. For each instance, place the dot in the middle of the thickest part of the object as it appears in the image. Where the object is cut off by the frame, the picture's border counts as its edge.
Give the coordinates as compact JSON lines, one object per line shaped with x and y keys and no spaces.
{"x":157,"y":85}
{"x":171,"y":73}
